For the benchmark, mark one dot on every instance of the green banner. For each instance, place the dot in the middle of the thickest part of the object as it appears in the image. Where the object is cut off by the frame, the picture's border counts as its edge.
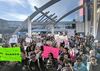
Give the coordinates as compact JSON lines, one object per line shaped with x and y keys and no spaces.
{"x":10,"y":54}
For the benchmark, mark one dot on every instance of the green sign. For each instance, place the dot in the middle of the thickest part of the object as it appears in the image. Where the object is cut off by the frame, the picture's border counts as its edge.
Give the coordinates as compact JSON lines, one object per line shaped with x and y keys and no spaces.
{"x":10,"y":54}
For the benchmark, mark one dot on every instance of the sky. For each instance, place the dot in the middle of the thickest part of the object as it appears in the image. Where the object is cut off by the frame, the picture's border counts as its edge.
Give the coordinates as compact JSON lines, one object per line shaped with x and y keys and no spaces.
{"x":19,"y":10}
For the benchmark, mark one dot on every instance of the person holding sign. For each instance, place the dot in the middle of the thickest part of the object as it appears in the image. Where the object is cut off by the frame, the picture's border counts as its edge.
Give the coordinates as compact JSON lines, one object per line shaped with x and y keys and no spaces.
{"x":13,"y":40}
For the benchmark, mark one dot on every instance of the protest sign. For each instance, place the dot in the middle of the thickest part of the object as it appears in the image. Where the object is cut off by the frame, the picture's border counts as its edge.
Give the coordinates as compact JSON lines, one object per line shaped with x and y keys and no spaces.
{"x":55,"y":52}
{"x":60,"y":39}
{"x":28,"y":39}
{"x":13,"y":40}
{"x":10,"y":54}
{"x":48,"y":49}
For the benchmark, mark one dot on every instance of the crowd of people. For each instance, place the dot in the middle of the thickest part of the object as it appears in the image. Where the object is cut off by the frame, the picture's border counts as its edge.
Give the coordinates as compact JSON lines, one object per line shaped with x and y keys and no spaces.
{"x":78,"y":54}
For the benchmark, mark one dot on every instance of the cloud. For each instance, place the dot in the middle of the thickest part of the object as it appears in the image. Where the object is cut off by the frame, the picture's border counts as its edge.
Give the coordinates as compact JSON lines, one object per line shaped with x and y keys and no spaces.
{"x":14,"y":16}
{"x":20,"y":17}
{"x":17,"y":13}
{"x":32,"y":3}
{"x":37,"y":3}
{"x":15,"y":2}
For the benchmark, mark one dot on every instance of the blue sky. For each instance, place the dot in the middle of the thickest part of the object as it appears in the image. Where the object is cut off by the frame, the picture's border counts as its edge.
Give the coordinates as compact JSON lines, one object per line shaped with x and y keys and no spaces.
{"x":19,"y":10}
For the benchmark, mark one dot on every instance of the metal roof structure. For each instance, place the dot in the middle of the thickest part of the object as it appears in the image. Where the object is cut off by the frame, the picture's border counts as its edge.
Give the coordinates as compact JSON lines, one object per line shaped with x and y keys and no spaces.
{"x":42,"y":9}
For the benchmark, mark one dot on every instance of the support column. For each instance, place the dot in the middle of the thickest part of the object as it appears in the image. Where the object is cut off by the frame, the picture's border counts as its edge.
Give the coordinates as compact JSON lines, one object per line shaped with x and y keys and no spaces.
{"x":29,"y":28}
{"x":94,"y":17}
{"x":52,"y":29}
{"x":86,"y":20}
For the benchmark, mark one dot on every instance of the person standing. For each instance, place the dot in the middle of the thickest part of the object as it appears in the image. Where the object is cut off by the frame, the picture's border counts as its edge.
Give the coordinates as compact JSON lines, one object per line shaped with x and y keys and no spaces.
{"x":79,"y":65}
{"x":92,"y":64}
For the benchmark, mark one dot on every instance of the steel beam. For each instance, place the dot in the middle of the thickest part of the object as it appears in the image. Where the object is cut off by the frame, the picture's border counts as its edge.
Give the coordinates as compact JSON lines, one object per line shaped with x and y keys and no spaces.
{"x":37,"y":9}
{"x":43,"y":8}
{"x":44,"y":16}
{"x":50,"y":3}
{"x":49,"y":19}
{"x":70,"y":12}
{"x":44,"y":20}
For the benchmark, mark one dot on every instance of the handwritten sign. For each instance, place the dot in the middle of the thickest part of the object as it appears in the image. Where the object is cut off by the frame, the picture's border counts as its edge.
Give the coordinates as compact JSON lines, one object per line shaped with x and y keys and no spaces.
{"x":10,"y":54}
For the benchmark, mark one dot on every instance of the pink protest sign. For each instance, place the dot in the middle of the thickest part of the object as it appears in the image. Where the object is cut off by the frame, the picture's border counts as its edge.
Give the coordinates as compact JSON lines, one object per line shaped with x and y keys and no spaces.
{"x":48,"y":49}
{"x":55,"y":52}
